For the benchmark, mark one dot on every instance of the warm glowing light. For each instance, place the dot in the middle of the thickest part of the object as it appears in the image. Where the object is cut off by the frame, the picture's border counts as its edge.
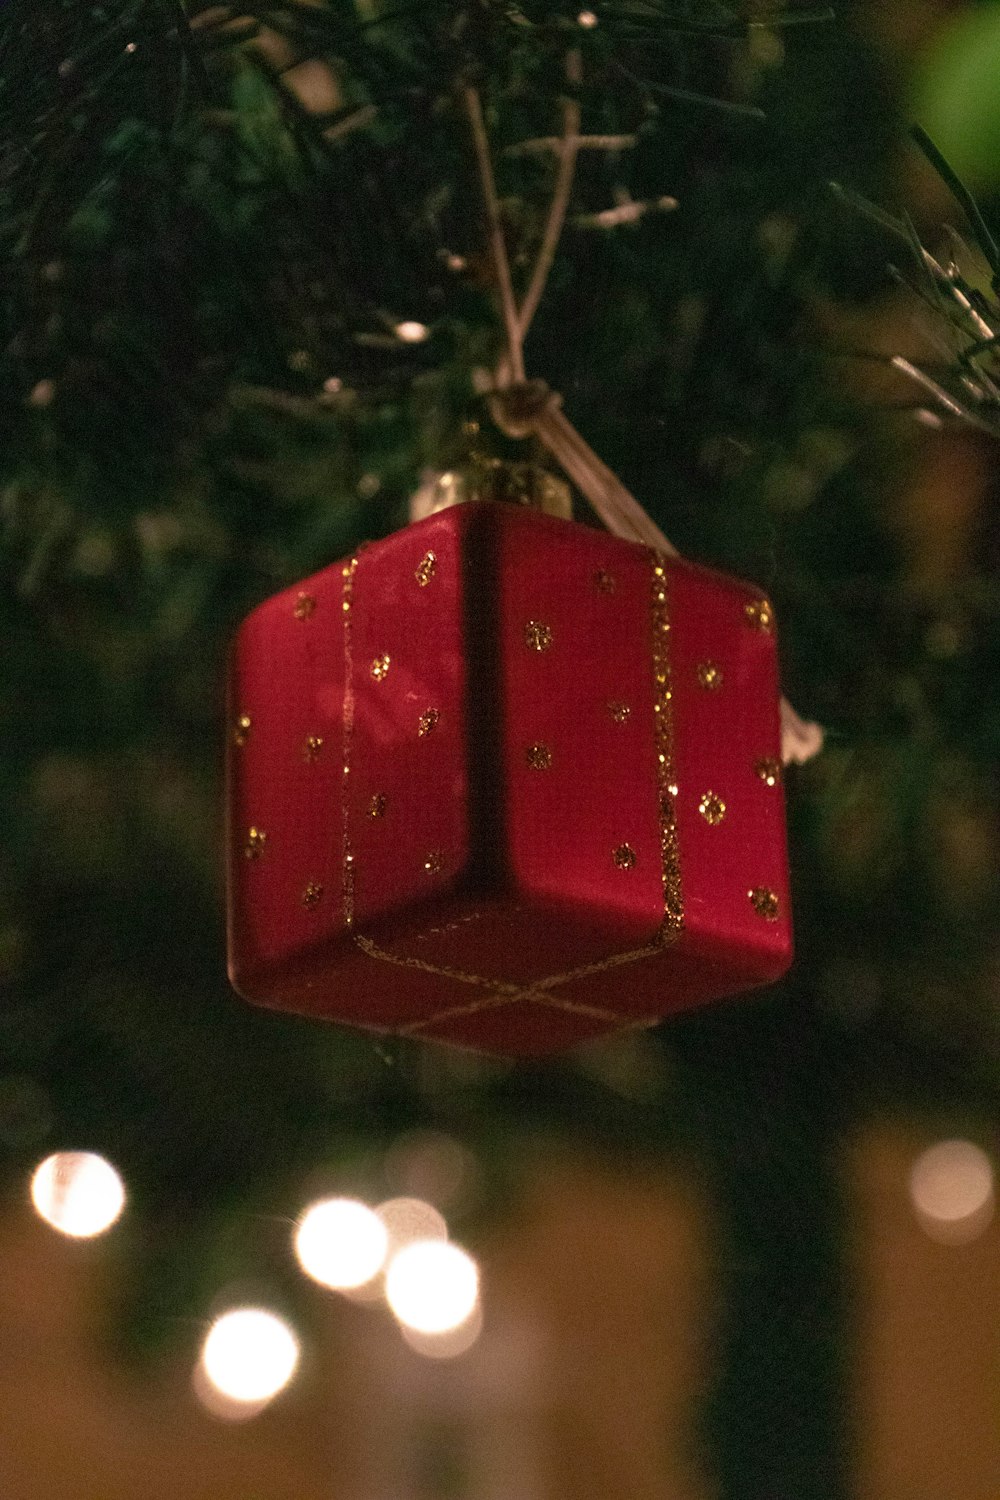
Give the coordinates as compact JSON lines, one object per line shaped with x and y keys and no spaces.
{"x":449,"y":1345}
{"x":587,"y":19}
{"x":249,"y":1355}
{"x":409,"y":1219}
{"x":951,"y":1185}
{"x":341,"y":1243}
{"x":430,"y":1165}
{"x":432,"y":1286}
{"x":78,"y":1193}
{"x":217,"y":1404}
{"x":412,"y":332}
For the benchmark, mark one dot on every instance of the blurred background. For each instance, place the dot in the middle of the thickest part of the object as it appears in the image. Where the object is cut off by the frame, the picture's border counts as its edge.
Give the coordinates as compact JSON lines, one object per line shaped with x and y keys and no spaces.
{"x":588,"y":1377}
{"x":750,"y":1255}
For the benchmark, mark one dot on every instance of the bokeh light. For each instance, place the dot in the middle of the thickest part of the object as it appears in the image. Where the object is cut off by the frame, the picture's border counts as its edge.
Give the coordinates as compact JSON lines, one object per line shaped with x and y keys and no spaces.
{"x":409,"y":1219}
{"x":450,"y":1344}
{"x":433,"y":1166}
{"x":951,"y":1187}
{"x":341,"y":1243}
{"x":412,"y":332}
{"x":78,"y":1193}
{"x":224,"y":1408}
{"x":432,"y":1286}
{"x":249,"y":1355}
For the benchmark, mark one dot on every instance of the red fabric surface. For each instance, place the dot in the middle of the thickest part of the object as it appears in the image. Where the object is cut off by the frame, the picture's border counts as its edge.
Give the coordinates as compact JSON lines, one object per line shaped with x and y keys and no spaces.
{"x":490,"y":784}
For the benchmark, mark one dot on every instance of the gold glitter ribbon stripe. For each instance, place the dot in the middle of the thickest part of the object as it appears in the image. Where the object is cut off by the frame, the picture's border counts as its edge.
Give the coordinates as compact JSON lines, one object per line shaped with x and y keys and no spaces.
{"x":504,"y":988}
{"x":504,"y":992}
{"x":498,"y":1002}
{"x":347,"y":874}
{"x":547,"y":1002}
{"x":666,"y":786}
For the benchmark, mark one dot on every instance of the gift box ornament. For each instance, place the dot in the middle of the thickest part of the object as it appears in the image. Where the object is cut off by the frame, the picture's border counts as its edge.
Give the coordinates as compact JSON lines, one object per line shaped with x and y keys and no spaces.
{"x":506,"y":781}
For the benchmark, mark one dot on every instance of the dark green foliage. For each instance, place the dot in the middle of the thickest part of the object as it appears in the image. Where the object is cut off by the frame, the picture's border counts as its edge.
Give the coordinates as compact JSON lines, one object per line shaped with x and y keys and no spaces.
{"x":202,"y":396}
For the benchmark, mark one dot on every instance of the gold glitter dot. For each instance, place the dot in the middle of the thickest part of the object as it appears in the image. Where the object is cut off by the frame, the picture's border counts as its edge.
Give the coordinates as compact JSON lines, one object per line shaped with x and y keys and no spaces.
{"x":428,"y":721}
{"x":537,"y":636}
{"x":539,"y":757}
{"x":305,"y":604}
{"x":312,"y":746}
{"x":765,"y":903}
{"x":312,"y":893}
{"x":254,"y":846}
{"x":605,"y":582}
{"x":759,"y":614}
{"x":242,"y":731}
{"x":673,"y":789}
{"x":768,"y":770}
{"x":377,"y":806}
{"x":426,"y":568}
{"x":380,"y":667}
{"x":624,"y":857}
{"x":712,"y":808}
{"x":433,"y":861}
{"x":619,"y":711}
{"x":710,"y":676}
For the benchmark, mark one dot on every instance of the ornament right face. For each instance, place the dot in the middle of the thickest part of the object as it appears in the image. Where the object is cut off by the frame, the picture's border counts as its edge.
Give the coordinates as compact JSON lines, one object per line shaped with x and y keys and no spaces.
{"x":505,"y":781}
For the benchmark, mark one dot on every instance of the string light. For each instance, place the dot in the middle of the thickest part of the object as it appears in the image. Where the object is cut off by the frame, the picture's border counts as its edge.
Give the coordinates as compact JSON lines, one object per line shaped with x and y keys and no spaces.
{"x":432,"y":1286}
{"x":951,"y":1187}
{"x":78,"y":1193}
{"x":587,"y":20}
{"x":249,"y":1355}
{"x":341,"y":1243}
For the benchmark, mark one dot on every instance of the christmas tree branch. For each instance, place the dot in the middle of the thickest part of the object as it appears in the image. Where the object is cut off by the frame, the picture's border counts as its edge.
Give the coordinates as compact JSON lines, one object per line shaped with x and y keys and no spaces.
{"x":961,"y":193}
{"x":541,"y":143}
{"x":956,"y":408}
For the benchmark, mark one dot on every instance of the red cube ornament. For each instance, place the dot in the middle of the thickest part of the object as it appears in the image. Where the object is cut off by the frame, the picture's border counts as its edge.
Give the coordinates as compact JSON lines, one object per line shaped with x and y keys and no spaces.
{"x":506,"y":781}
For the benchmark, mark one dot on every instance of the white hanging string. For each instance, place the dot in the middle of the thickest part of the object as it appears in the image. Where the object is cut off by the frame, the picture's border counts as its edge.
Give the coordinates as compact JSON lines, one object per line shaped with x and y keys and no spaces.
{"x":523,"y":408}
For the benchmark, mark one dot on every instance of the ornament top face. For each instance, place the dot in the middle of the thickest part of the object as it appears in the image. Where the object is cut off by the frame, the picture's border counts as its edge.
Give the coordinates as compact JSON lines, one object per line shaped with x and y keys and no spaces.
{"x":507,"y":781}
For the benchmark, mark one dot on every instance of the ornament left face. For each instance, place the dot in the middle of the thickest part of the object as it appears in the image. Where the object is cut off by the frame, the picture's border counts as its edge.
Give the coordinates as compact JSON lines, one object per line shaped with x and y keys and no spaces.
{"x":499,"y":780}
